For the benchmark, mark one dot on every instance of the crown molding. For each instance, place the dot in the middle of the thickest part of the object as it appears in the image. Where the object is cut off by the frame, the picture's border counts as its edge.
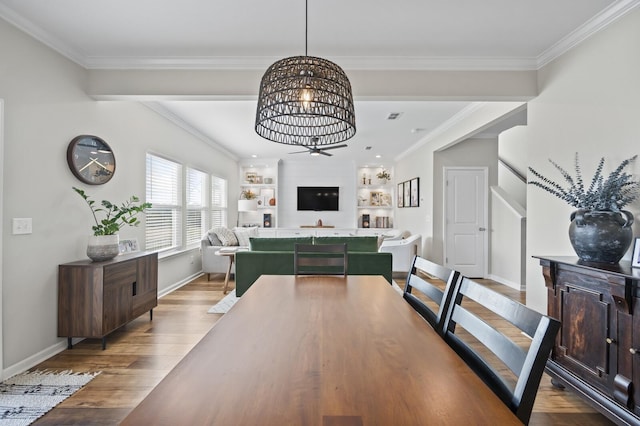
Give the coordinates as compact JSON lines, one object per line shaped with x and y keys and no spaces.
{"x":178,"y":121}
{"x":597,"y":23}
{"x":41,"y":35}
{"x":372,"y":63}
{"x":589,"y":28}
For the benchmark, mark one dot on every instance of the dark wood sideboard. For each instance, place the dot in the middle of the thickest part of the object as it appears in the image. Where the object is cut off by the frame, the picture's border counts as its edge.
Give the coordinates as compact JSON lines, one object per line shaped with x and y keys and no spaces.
{"x":597,"y":351}
{"x":96,"y":298}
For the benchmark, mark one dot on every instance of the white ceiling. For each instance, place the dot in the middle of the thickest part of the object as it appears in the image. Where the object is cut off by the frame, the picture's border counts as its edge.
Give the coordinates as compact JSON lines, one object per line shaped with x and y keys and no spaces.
{"x":356,"y":34}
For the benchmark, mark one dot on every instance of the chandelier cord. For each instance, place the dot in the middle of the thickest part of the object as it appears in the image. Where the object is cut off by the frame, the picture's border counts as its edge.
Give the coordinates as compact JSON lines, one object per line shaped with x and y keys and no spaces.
{"x":306,"y":26}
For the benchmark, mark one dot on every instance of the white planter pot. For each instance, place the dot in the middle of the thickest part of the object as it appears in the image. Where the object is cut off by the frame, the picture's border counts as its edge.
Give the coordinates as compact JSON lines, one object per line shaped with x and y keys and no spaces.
{"x":103,"y":247}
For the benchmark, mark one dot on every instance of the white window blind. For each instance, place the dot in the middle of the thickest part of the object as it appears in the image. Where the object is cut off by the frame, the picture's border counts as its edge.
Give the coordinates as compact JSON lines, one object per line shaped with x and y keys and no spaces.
{"x":218,"y":201}
{"x":196,"y":195}
{"x":164,"y":191}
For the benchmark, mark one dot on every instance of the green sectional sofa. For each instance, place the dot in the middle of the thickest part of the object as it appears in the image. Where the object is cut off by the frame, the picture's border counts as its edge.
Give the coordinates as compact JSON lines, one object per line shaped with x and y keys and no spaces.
{"x":274,"y":256}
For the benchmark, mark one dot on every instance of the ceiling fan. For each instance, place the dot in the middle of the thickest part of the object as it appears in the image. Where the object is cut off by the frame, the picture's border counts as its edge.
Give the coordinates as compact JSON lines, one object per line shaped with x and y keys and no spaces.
{"x":314,"y":150}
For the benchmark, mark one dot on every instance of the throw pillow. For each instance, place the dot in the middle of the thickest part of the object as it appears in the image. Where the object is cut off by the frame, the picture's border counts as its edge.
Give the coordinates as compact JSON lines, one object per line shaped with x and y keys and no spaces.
{"x":243,"y":234}
{"x":213,"y":239}
{"x":226,"y":236}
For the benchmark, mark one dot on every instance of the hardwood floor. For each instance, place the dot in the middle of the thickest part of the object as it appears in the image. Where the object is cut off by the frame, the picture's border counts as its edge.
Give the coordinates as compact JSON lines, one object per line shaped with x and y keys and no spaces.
{"x":141,"y":353}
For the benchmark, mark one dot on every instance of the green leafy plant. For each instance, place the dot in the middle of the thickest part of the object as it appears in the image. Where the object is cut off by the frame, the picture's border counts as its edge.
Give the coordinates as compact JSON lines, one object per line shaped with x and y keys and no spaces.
{"x":115,"y":217}
{"x":611,"y":194}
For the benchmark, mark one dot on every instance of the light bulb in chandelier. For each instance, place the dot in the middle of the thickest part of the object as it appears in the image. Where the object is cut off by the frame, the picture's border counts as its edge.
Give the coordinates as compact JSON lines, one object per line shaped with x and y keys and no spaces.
{"x":306,"y":97}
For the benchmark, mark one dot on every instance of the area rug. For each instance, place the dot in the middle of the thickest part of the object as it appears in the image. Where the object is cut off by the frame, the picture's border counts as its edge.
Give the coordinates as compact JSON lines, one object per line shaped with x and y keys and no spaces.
{"x":26,"y":397}
{"x":223,"y":306}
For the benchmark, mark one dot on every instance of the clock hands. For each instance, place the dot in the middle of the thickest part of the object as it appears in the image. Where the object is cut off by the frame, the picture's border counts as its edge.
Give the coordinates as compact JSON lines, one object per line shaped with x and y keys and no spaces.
{"x":94,"y":160}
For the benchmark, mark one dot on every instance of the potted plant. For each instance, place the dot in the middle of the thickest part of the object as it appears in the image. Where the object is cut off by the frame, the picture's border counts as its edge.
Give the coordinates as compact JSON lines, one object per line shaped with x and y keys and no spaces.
{"x":600,"y":230}
{"x":103,"y":244}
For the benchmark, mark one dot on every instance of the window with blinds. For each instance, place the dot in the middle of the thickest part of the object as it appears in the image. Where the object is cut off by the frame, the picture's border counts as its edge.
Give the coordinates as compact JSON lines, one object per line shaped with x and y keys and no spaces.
{"x":218,"y":201}
{"x":164,"y":191}
{"x":196,"y":198}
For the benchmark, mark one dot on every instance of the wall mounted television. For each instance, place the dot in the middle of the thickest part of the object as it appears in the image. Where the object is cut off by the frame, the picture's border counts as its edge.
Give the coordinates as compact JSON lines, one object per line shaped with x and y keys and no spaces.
{"x":318,"y":198}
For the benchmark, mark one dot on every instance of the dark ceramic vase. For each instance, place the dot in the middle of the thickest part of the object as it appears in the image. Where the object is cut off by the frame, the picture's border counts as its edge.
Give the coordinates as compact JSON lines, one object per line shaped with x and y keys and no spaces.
{"x":601,"y":236}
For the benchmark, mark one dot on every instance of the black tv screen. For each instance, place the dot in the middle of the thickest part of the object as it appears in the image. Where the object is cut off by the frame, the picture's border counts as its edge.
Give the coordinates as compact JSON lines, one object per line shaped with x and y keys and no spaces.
{"x":318,"y":198}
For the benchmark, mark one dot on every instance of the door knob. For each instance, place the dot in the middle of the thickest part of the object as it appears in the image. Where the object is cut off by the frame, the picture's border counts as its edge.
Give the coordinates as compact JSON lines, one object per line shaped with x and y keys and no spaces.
{"x":633,"y":351}
{"x":482,"y":229}
{"x":610,"y":340}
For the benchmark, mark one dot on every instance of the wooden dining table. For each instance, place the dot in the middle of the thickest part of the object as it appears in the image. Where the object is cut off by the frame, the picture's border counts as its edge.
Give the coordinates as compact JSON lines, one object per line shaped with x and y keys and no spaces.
{"x":321,"y":350}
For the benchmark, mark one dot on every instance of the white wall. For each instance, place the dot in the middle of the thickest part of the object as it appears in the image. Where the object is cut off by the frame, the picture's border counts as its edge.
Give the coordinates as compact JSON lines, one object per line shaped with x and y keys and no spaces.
{"x":508,"y":240}
{"x":588,"y":103}
{"x":320,"y":172}
{"x":45,"y":107}
{"x":419,"y":162}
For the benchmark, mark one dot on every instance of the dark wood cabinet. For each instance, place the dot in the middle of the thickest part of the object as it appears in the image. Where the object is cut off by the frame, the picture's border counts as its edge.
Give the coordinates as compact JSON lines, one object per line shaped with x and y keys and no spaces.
{"x":96,"y":298}
{"x":597,"y":352}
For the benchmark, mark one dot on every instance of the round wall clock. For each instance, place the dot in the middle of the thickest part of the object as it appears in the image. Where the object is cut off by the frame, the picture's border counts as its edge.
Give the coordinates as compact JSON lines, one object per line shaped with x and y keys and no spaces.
{"x":91,"y":159}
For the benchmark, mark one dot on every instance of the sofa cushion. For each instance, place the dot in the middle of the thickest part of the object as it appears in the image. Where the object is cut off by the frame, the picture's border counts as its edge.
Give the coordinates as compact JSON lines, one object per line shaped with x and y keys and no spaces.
{"x":354,"y":244}
{"x":225,"y":235}
{"x":244,"y":233}
{"x":277,"y":244}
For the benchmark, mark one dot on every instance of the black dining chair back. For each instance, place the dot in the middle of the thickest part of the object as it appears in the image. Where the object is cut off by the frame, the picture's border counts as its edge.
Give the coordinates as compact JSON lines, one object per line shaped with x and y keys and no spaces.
{"x":418,"y":284}
{"x":320,"y":259}
{"x":526,"y":358}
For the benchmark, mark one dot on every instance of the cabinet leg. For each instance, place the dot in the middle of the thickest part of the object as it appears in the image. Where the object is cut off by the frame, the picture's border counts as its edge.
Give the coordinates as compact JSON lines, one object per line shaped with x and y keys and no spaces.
{"x":69,"y":344}
{"x":150,"y":314}
{"x":556,"y":383}
{"x":104,"y":343}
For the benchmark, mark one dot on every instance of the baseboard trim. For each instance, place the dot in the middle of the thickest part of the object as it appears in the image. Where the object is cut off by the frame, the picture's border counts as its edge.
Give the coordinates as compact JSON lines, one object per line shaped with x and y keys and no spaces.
{"x":43,"y":355}
{"x":508,"y":283}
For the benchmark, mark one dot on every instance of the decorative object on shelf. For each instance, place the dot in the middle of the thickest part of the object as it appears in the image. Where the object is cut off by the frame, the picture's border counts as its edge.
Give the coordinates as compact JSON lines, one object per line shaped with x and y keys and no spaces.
{"x":103,"y":244}
{"x":365,"y":221}
{"x":319,"y":223}
{"x":250,"y":177}
{"x":383,"y":176}
{"x":128,"y":246}
{"x":600,"y":231}
{"x":91,"y":159}
{"x":266,"y":220}
{"x":268,"y":181}
{"x":635,"y":260}
{"x":375,"y":198}
{"x":305,"y":100}
{"x":248,"y":194}
{"x":272,"y":201}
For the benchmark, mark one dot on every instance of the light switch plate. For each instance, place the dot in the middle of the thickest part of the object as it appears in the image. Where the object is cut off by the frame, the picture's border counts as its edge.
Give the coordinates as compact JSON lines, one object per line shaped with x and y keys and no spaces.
{"x":22,"y":225}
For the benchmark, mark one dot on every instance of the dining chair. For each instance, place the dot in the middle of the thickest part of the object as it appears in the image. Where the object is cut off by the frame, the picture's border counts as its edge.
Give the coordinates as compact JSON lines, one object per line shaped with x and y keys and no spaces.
{"x":490,"y":353}
{"x":416,"y":280}
{"x":320,"y":259}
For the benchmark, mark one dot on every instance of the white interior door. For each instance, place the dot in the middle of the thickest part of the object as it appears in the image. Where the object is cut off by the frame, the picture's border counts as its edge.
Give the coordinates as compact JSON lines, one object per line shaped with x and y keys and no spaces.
{"x":466,"y":240}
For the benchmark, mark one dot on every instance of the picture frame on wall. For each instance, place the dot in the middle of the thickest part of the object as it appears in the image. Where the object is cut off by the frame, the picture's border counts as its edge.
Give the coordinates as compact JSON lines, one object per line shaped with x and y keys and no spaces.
{"x":635,"y":260}
{"x":401,"y":194}
{"x":407,"y":194}
{"x":415,"y":192}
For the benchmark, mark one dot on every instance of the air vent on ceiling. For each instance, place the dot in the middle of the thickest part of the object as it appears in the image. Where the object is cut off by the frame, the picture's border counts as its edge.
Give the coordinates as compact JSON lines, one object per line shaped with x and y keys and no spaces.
{"x":393,"y":115}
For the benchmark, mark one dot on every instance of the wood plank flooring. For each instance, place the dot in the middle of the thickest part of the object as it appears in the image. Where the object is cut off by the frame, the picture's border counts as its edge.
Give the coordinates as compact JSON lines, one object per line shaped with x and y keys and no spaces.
{"x":141,"y":353}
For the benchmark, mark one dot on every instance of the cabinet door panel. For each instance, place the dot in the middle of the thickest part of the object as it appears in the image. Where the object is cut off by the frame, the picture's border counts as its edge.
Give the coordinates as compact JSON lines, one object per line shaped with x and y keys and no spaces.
{"x":119,"y":282}
{"x":117,"y":306}
{"x":586,"y":326}
{"x":146,"y":295}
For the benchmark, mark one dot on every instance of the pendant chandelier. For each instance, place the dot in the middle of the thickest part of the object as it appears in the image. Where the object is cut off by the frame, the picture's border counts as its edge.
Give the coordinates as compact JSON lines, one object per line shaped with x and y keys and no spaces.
{"x":305,"y":100}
